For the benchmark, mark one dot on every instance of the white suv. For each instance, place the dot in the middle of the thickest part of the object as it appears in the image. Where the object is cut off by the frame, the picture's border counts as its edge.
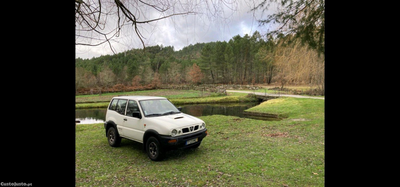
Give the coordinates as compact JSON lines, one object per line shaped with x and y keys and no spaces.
{"x":153,"y":121}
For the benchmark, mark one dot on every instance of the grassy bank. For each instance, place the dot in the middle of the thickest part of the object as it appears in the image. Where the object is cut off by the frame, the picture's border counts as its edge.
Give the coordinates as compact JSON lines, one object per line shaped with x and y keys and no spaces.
{"x":290,"y":107}
{"x":237,"y":152}
{"x":175,"y":96}
{"x":218,"y":99}
{"x":289,"y":89}
{"x":106,"y":97}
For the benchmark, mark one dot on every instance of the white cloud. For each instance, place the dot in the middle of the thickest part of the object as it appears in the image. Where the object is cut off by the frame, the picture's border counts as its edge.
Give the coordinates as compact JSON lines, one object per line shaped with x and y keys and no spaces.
{"x":181,"y":31}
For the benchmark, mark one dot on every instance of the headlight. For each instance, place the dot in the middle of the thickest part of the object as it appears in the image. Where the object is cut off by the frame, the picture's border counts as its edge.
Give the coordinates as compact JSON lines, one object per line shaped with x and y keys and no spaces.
{"x":174,"y":132}
{"x":203,"y":125}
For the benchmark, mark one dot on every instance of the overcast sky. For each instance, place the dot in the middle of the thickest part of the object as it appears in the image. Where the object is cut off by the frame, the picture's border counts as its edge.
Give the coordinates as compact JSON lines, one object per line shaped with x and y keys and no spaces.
{"x":180,"y":31}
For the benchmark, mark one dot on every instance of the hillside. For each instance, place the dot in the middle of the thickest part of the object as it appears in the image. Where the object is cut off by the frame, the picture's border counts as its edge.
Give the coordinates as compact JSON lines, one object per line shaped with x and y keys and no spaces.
{"x":241,"y":60}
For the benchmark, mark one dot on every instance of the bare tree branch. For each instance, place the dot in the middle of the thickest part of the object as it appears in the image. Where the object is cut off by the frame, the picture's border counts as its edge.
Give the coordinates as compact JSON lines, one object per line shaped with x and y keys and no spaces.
{"x":89,"y":19}
{"x":155,"y":7}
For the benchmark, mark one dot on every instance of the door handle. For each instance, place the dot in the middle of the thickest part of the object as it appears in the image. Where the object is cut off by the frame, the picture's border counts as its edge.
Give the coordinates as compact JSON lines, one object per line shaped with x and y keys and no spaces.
{"x":125,"y":119}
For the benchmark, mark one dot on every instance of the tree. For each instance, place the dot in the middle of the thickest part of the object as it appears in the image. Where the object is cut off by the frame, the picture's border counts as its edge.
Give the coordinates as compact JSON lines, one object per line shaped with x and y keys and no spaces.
{"x":242,"y":60}
{"x":229,"y":60}
{"x":174,"y":73}
{"x":265,"y":58}
{"x":156,"y":80}
{"x":219,"y":60}
{"x":106,"y":77}
{"x":297,"y":64}
{"x":236,"y":44}
{"x":305,"y":19}
{"x":84,"y":78}
{"x":245,"y":46}
{"x":195,"y":74}
{"x":136,"y":81}
{"x":206,"y":61}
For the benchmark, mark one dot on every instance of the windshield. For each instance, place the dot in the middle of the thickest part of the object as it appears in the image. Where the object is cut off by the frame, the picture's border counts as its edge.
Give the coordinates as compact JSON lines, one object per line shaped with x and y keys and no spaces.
{"x":158,"y":107}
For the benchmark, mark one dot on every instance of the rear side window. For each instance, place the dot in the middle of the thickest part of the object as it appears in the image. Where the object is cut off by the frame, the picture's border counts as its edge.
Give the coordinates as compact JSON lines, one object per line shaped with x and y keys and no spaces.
{"x":113,"y":104}
{"x":121,"y":105}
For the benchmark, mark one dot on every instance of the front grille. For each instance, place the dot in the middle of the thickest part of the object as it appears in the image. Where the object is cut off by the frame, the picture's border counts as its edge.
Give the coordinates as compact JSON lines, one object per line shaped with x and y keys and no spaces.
{"x":191,"y":136}
{"x":190,"y":129}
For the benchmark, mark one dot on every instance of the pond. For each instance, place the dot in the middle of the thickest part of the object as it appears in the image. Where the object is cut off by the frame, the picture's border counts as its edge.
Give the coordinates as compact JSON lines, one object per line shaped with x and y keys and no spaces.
{"x":91,"y":116}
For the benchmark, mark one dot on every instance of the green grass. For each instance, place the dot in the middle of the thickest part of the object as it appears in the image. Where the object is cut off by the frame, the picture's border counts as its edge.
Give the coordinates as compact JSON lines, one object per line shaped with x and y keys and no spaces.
{"x":91,"y":105}
{"x":291,"y":107}
{"x":236,"y":152}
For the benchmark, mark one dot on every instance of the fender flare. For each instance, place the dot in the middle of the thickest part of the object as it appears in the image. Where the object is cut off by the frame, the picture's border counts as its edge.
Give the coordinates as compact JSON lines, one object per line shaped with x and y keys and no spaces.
{"x":147,"y":134}
{"x":109,"y":124}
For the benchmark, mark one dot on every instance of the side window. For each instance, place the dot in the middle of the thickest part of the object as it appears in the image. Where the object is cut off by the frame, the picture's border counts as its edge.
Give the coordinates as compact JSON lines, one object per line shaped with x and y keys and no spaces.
{"x":121,"y":105}
{"x":132,"y":108}
{"x":113,"y":104}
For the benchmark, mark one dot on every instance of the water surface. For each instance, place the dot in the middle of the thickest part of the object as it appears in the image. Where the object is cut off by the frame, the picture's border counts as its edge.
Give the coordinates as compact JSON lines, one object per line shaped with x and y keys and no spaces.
{"x":90,"y":116}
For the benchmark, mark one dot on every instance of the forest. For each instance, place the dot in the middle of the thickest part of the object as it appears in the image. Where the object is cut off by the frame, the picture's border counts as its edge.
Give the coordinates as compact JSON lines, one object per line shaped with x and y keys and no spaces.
{"x":242,"y":60}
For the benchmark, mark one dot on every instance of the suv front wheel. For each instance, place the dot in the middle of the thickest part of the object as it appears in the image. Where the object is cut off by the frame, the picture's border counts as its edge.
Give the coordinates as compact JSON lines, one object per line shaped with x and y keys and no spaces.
{"x":113,"y":137}
{"x":154,"y":149}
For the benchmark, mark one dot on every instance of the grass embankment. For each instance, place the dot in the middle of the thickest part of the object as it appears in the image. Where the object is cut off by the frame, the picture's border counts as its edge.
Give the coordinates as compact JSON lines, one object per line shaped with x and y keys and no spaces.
{"x":175,"y":96}
{"x":285,"y":107}
{"x":106,"y":97}
{"x":289,"y":89}
{"x":237,"y":152}
{"x":217,"y":99}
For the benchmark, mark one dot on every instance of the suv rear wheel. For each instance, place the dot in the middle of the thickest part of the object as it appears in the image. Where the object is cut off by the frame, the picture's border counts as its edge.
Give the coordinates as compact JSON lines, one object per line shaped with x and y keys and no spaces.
{"x":154,"y":149}
{"x":113,"y":137}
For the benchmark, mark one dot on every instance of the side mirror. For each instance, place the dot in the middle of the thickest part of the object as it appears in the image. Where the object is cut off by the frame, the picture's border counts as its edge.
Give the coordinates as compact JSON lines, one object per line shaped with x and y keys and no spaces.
{"x":136,"y":114}
{"x":180,"y":108}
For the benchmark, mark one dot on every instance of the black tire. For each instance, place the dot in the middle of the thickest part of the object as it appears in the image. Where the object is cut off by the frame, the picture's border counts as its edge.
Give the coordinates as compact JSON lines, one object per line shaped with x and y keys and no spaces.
{"x":113,"y":137}
{"x":154,"y":149}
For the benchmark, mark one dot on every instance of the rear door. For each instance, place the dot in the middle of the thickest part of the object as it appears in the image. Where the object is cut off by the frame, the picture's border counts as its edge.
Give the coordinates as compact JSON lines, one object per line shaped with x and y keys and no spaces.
{"x":133,"y":127}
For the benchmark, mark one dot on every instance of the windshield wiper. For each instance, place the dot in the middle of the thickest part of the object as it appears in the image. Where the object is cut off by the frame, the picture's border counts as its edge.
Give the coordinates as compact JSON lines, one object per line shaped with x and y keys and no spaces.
{"x":154,"y":115}
{"x":170,"y":112}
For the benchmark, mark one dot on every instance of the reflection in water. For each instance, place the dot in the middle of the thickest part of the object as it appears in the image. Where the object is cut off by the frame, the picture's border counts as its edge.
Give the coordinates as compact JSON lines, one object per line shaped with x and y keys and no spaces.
{"x":88,"y":120}
{"x":90,"y":116}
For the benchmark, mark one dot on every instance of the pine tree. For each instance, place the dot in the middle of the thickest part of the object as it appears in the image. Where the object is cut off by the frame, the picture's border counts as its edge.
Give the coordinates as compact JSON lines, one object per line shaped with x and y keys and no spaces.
{"x":305,"y":19}
{"x":206,"y":61}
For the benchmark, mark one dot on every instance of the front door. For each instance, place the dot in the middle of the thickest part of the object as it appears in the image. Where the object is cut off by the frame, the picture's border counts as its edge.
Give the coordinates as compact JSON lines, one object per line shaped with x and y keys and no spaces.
{"x":133,"y":129}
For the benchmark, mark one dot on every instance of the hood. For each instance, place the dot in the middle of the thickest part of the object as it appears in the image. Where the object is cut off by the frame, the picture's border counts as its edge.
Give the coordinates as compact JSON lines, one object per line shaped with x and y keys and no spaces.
{"x":175,"y":120}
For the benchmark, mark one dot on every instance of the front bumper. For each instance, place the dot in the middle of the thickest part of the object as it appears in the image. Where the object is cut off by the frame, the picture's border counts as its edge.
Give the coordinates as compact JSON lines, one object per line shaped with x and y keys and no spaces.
{"x":170,"y":143}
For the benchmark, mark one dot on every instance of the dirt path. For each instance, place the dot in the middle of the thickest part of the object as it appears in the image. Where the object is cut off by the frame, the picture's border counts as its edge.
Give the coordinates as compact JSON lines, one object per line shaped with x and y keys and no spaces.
{"x":276,"y":95}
